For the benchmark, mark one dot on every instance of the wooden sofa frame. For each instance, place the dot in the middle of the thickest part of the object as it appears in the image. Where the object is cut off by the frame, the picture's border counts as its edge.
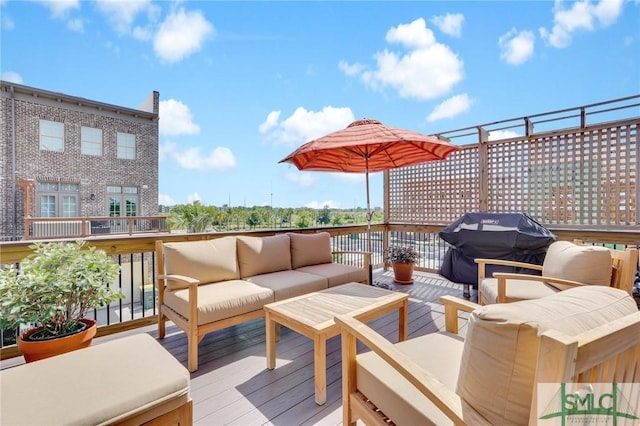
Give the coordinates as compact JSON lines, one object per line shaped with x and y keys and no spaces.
{"x":195,"y":333}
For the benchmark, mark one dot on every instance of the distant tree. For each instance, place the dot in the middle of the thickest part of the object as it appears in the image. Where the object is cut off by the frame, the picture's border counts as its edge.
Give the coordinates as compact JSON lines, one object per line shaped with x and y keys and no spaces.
{"x":324,"y":216}
{"x":337,"y":219}
{"x":303,"y":220}
{"x":191,"y":217}
{"x":254,"y":219}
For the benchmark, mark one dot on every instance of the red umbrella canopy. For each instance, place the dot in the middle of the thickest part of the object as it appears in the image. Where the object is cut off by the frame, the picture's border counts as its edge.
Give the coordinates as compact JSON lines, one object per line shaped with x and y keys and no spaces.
{"x":368,"y":146}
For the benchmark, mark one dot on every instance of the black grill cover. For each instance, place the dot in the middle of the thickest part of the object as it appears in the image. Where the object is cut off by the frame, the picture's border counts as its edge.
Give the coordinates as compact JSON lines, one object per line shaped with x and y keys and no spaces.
{"x":507,"y":236}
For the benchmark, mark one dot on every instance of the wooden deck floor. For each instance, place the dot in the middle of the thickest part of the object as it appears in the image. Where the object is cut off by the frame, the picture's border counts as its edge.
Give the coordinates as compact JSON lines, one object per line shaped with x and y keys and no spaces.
{"x":233,"y":387}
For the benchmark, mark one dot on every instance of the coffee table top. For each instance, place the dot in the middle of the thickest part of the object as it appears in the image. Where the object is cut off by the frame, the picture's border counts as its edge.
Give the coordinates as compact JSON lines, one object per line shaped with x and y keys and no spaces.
{"x":316,"y":310}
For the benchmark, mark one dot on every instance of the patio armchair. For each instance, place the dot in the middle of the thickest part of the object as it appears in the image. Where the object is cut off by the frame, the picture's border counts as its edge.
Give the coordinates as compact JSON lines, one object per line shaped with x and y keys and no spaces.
{"x":490,"y":376}
{"x":566,"y":265}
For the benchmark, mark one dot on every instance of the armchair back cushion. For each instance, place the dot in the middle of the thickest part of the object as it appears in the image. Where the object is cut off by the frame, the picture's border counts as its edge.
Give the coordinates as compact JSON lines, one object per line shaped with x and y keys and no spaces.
{"x":207,"y":261}
{"x":310,"y":249}
{"x":261,"y":255}
{"x":500,"y":351}
{"x":586,"y":264}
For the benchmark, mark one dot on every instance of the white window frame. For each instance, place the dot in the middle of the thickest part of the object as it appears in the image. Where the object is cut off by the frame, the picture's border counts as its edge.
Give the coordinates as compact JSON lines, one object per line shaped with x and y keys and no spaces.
{"x":51,"y":136}
{"x":60,"y":196}
{"x":126,"y":146}
{"x":91,"y":141}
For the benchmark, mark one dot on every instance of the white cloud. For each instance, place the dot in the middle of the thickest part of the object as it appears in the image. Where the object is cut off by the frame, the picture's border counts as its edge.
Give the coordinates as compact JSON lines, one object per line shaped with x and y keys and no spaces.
{"x":322,"y":204}
{"x":12,"y":77}
{"x":270,"y":122}
{"x":220,"y":158}
{"x":413,"y":36}
{"x":193,"y":197}
{"x":302,"y":179}
{"x":451,"y":107}
{"x":166,"y":200}
{"x":516,"y":47}
{"x":60,"y":8}
{"x":76,"y":25}
{"x":350,"y":69}
{"x":429,"y":70}
{"x":7,"y":23}
{"x":580,"y":16}
{"x":121,"y":14}
{"x":502,"y":134}
{"x":303,"y":126}
{"x":181,"y":35}
{"x":450,"y":24}
{"x":176,"y":119}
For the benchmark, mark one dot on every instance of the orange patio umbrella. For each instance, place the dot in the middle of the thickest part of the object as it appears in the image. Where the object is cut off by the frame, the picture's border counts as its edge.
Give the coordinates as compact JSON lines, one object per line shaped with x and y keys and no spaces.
{"x":368,"y":146}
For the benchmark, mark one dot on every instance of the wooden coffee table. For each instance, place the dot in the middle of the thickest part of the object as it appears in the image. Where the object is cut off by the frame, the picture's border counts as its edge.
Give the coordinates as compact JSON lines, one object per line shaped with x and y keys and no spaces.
{"x":312,"y":316}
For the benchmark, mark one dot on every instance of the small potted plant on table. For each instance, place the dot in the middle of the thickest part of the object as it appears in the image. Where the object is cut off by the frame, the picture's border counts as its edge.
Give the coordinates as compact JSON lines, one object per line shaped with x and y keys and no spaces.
{"x":403,"y":259}
{"x":52,"y":291}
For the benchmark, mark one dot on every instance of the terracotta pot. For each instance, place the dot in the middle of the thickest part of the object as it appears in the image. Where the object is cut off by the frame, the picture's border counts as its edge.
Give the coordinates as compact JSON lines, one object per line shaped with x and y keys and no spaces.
{"x":34,"y":351}
{"x":403,"y":273}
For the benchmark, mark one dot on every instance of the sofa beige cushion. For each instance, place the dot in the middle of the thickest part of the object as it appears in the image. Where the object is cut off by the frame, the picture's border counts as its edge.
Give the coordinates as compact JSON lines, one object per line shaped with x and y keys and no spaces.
{"x":310,"y":249}
{"x":207,"y":261}
{"x":501,"y":345}
{"x":260,"y":255}
{"x":583,"y":263}
{"x":286,"y":284}
{"x":221,"y":300}
{"x":336,"y":273}
{"x":101,"y":384}
{"x":394,"y":395}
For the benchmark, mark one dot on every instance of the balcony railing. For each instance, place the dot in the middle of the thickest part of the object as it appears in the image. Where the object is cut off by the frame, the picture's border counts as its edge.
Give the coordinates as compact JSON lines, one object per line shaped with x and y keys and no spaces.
{"x":74,"y":227}
{"x":135,"y":254}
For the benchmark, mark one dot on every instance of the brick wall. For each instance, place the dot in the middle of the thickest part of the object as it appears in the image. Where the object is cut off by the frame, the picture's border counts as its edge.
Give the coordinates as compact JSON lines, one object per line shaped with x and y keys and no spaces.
{"x":92,"y":173}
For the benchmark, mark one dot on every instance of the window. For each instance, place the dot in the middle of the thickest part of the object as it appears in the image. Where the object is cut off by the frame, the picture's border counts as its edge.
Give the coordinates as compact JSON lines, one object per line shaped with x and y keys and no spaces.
{"x":120,"y":196}
{"x":91,"y":141}
{"x":58,"y":199}
{"x":126,"y":146}
{"x":51,"y":136}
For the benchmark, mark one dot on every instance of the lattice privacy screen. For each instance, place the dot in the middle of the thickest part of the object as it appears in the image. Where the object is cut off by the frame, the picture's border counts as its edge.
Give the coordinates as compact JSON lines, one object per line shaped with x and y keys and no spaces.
{"x":585,"y":178}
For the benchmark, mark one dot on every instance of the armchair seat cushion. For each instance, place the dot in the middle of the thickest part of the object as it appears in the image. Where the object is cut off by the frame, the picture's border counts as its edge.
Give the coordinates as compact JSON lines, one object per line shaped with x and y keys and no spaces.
{"x":438,"y":353}
{"x":516,"y":290}
{"x":336,"y":273}
{"x":286,"y":284}
{"x":218,"y":301}
{"x":501,"y":346}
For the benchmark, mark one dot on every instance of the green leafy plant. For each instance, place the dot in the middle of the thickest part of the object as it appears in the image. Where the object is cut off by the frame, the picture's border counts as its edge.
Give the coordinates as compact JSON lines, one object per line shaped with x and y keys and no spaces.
{"x":399,"y":254}
{"x":55,"y":286}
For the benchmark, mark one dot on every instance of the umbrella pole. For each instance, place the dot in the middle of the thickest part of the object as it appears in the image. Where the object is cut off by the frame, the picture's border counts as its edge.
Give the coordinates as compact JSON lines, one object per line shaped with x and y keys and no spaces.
{"x":369,"y":215}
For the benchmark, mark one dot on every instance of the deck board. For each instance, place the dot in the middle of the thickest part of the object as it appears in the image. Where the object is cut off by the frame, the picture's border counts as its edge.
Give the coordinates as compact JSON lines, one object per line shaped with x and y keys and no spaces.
{"x":233,"y":386}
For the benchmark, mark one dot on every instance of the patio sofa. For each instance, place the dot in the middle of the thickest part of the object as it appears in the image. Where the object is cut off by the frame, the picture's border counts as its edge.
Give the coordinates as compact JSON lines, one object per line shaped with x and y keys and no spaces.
{"x":127,"y":381}
{"x":209,"y":285}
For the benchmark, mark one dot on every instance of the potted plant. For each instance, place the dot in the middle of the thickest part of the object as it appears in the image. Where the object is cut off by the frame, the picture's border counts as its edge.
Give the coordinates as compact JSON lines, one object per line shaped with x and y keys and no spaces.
{"x":51,"y":292}
{"x":403,"y":259}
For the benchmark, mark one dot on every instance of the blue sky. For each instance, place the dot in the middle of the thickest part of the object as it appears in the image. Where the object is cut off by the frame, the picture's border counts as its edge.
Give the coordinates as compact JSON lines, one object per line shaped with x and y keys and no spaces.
{"x":242,"y":84}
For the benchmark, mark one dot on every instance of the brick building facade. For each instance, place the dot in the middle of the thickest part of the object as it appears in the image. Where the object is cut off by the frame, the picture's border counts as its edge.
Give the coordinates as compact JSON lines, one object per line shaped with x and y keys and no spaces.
{"x":79,"y":158}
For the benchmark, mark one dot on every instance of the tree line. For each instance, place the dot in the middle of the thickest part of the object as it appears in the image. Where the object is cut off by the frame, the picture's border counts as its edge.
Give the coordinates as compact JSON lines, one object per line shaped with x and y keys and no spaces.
{"x":196,"y":217}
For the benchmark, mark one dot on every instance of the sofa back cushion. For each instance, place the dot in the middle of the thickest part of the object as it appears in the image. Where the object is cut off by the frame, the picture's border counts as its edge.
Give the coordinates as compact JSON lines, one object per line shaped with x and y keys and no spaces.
{"x":310,"y":249}
{"x":261,"y":255}
{"x":583,"y":263}
{"x":207,"y":261}
{"x":500,"y":353}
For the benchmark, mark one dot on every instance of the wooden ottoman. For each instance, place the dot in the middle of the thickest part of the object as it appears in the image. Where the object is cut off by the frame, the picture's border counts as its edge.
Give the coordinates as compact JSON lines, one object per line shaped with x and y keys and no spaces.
{"x":128,"y":381}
